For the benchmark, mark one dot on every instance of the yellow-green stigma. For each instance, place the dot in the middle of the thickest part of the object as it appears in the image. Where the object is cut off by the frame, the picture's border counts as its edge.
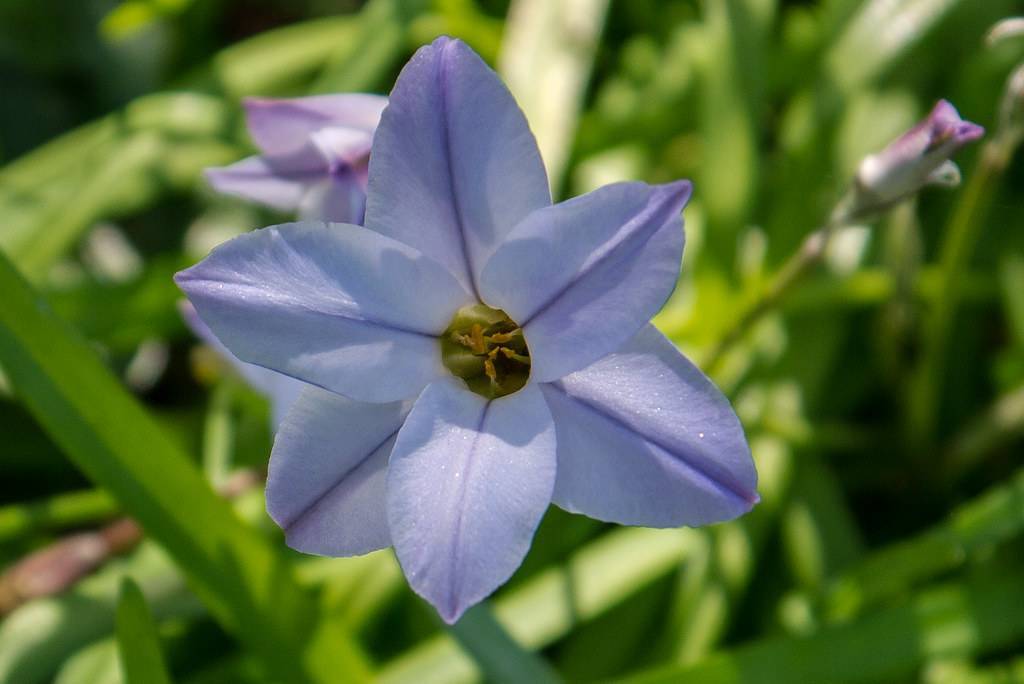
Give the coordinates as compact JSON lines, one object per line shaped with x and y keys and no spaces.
{"x":486,"y":348}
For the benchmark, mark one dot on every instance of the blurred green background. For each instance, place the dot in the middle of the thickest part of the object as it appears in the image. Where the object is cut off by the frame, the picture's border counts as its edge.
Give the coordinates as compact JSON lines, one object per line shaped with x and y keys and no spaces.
{"x":883,"y":396}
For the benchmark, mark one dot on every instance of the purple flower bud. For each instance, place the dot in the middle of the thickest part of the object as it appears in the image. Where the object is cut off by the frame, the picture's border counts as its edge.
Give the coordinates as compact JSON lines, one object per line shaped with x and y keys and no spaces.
{"x":315,"y":155}
{"x":919,"y":157}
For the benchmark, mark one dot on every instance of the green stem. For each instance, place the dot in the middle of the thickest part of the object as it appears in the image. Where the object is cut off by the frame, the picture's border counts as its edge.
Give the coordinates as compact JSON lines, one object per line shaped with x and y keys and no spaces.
{"x":799,"y":265}
{"x":961,"y":236}
{"x":56,"y":513}
{"x":218,"y":435}
{"x":999,"y":424}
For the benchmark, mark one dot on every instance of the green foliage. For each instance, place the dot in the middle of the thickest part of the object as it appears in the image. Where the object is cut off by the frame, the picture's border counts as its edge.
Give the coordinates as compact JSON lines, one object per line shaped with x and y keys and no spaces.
{"x":883,"y":394}
{"x":137,"y":640}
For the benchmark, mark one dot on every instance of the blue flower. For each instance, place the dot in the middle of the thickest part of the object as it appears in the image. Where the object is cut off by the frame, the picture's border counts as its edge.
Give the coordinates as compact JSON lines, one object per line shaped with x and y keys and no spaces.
{"x":314,"y":160}
{"x":478,"y":352}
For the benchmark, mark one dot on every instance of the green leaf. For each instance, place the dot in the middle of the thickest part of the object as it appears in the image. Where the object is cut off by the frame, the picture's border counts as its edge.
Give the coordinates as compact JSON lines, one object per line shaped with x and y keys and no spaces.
{"x":948,"y":622}
{"x":39,"y":636}
{"x":243,"y":580}
{"x":137,"y":639}
{"x":731,"y":78}
{"x":546,"y":58}
{"x":551,"y":604}
{"x":993,"y":517}
{"x":879,"y":35}
{"x":375,"y":48}
{"x":500,"y":658}
{"x":58,"y":512}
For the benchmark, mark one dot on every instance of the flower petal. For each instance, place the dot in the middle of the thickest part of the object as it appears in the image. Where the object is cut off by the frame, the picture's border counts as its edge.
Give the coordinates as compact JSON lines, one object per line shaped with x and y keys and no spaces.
{"x":328,"y":471}
{"x":454,"y":165}
{"x":259,"y":180}
{"x":338,"y":198}
{"x":282,"y":126}
{"x":644,"y":438}
{"x":343,"y":146}
{"x":335,"y":305}
{"x":468,"y":483}
{"x":581,"y":277}
{"x":281,"y":390}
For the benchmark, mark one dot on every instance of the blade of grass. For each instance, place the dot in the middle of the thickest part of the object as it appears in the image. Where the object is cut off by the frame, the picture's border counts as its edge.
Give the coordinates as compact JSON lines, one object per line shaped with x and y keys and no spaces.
{"x":818,"y":531}
{"x":549,"y":605}
{"x":67,"y":220}
{"x":501,"y":660}
{"x":56,"y":513}
{"x":960,"y":239}
{"x":998,"y":425}
{"x":276,"y":60}
{"x":546,"y":57}
{"x":375,"y":50}
{"x":881,"y":32}
{"x":712,"y":585}
{"x":995,"y":516}
{"x":137,"y":640}
{"x":37,"y":637}
{"x":246,"y":584}
{"x":732,"y":72}
{"x":955,"y":620}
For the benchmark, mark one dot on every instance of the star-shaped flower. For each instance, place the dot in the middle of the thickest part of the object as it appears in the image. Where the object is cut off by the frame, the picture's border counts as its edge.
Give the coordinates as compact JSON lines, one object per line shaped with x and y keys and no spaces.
{"x":478,"y":351}
{"x":315,"y":152}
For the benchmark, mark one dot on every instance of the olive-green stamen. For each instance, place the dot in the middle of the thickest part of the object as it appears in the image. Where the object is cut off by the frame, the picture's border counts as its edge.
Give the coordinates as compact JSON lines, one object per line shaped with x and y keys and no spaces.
{"x":486,"y":348}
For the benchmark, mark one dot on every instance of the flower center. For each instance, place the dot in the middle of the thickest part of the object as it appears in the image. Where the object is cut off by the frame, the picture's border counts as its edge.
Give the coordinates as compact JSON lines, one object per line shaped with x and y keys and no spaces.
{"x":486,"y":348}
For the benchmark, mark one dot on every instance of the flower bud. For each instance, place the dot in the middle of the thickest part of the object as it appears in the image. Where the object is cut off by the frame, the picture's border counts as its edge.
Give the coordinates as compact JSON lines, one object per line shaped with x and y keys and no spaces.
{"x":1011,"y":110}
{"x":1005,"y":29}
{"x":918,"y":158}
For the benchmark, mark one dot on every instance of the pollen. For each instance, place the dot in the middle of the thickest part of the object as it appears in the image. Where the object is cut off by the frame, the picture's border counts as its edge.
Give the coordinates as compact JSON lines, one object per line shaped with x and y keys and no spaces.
{"x":487,"y":349}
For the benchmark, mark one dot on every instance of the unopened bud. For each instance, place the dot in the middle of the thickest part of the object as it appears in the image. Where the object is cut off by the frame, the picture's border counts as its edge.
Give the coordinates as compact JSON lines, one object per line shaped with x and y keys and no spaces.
{"x":1011,"y":110}
{"x":1007,"y":28}
{"x":918,"y":158}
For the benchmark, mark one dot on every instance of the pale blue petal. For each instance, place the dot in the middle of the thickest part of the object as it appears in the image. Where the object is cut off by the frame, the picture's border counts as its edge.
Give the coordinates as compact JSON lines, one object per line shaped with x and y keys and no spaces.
{"x":338,"y":198}
{"x":468,"y":483}
{"x":328,"y":473}
{"x":581,"y":277}
{"x":282,"y":126}
{"x":454,"y":165}
{"x":343,"y":147}
{"x":258,"y":180}
{"x":335,"y":305}
{"x":644,"y":438}
{"x":281,"y":390}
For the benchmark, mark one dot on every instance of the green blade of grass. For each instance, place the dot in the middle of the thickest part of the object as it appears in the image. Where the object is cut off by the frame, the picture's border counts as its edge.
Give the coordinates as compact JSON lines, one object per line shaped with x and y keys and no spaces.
{"x":247,"y":586}
{"x":551,"y":604}
{"x":732,"y":69}
{"x":55,"y":513}
{"x":374,"y":50}
{"x":40,"y":635}
{"x":879,"y":34}
{"x":500,"y":658}
{"x":951,"y":621}
{"x":546,"y":58}
{"x":137,"y":640}
{"x":993,"y":517}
